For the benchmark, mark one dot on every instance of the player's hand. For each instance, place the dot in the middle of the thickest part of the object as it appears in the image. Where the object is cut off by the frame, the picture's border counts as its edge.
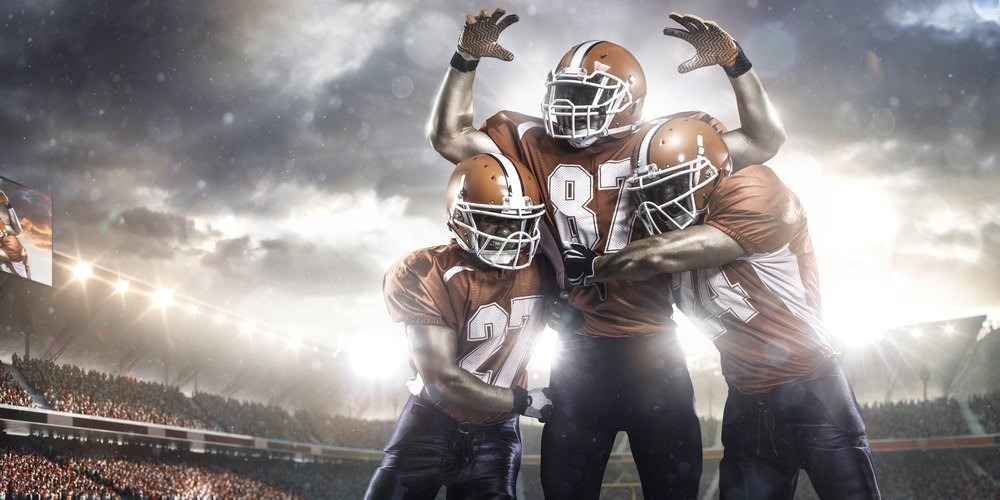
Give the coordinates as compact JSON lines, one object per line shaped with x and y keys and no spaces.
{"x":539,"y":404}
{"x":578,"y":262}
{"x":4,"y":200}
{"x":711,"y":43}
{"x":480,"y":35}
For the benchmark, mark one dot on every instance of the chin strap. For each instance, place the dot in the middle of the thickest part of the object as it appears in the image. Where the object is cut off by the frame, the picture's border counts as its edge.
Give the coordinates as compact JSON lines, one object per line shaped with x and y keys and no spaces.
{"x":583,"y":142}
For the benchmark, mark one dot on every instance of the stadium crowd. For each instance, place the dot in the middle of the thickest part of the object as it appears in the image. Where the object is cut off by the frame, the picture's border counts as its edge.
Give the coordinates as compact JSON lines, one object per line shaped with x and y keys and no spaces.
{"x":914,"y":419}
{"x":77,"y":470}
{"x":10,"y":392}
{"x":987,"y":409}
{"x":71,"y":389}
{"x":344,"y":431}
{"x":35,"y":467}
{"x":252,"y":418}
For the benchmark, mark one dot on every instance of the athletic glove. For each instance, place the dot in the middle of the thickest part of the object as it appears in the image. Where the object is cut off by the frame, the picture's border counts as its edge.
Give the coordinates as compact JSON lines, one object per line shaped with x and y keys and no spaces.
{"x":536,"y":403}
{"x":711,"y":43}
{"x":578,"y":262}
{"x":4,"y":200}
{"x":479,"y":38}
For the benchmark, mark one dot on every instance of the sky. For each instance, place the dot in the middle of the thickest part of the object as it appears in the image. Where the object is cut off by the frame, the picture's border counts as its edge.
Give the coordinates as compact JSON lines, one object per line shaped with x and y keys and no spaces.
{"x":269,"y":158}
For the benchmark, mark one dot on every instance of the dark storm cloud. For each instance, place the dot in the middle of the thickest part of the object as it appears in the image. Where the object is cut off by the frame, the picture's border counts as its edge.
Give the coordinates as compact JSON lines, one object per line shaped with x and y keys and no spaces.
{"x":232,"y":256}
{"x":881,"y":75}
{"x":141,"y":117}
{"x":83,"y":82}
{"x":137,"y":231}
{"x":296,"y":265}
{"x":170,"y":228}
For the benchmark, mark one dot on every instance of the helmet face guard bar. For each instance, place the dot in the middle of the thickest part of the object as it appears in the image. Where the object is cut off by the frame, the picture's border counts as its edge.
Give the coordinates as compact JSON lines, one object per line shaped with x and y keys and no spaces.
{"x":667,"y":197}
{"x":605,"y":96}
{"x":501,"y":251}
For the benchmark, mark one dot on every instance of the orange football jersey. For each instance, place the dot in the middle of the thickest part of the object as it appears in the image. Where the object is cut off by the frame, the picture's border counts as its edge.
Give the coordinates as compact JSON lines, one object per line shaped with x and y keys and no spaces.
{"x":497,"y":315}
{"x":12,"y":247}
{"x":763,"y":309}
{"x":585,"y":200}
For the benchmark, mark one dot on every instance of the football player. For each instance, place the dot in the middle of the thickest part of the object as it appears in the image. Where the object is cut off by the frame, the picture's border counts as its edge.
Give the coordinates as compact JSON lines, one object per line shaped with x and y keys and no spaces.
{"x":622,"y":369}
{"x":473,"y":309}
{"x":14,"y":257}
{"x":737,"y":250}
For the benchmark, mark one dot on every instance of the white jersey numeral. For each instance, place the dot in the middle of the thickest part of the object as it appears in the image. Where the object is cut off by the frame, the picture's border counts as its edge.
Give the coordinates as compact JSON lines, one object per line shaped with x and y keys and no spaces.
{"x":571,"y":189}
{"x":491,"y":324}
{"x":716,"y":296}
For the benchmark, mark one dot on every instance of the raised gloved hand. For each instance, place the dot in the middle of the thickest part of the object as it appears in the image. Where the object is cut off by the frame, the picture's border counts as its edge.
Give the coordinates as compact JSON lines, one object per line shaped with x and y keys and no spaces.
{"x":481,"y":33}
{"x":578,"y":263}
{"x":711,"y":43}
{"x":4,"y":200}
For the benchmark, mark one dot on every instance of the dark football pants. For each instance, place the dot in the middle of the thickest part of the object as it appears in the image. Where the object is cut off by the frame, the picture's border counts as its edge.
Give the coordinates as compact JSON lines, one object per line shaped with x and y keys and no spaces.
{"x":601,"y":386}
{"x":813,"y":424}
{"x":429,"y":449}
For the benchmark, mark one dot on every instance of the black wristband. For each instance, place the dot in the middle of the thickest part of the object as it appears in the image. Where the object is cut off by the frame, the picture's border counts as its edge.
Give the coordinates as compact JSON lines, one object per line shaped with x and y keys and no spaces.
{"x":462,"y":64}
{"x":740,"y":66}
{"x":520,"y":399}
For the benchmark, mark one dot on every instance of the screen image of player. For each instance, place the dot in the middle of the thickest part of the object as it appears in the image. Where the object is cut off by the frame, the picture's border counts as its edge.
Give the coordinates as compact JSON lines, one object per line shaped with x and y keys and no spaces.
{"x":26,"y":233}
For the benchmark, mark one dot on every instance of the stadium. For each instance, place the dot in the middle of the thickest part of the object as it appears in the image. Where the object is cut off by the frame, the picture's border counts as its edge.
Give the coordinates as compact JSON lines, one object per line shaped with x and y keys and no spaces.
{"x":200,"y":202}
{"x":113,"y":388}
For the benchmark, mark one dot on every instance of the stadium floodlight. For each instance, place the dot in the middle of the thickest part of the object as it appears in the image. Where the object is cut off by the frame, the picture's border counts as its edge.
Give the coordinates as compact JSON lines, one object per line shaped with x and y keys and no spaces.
{"x":294,"y":343}
{"x":916,"y":333}
{"x":192,"y":309}
{"x":220,"y":318}
{"x":949,"y":329}
{"x":374,"y":357}
{"x":82,"y":271}
{"x":163,"y":298}
{"x":122,"y":286}
{"x":249,"y":327}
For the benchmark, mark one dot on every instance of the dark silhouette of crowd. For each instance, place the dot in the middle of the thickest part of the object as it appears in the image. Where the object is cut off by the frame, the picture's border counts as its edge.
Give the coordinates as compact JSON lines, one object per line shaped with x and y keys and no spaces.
{"x":987,"y":408}
{"x":252,"y":418}
{"x":345,"y":431}
{"x":914,"y":419}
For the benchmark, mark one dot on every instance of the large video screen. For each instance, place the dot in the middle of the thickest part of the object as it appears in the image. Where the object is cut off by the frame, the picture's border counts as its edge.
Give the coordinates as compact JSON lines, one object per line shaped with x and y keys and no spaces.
{"x":26,"y":234}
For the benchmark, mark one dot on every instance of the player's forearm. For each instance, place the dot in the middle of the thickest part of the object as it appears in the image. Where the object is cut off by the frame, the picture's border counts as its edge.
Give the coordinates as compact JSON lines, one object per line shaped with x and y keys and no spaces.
{"x":697,"y":247}
{"x":760,"y":125}
{"x":638,"y":261}
{"x":450,"y":129}
{"x":460,"y":388}
{"x":15,"y":222}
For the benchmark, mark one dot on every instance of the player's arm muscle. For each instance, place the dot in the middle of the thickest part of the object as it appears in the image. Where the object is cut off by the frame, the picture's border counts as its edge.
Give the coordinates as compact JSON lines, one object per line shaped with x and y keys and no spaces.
{"x":433,"y":351}
{"x":761,"y":132}
{"x":450,"y":130}
{"x":697,"y":247}
{"x":14,"y":228}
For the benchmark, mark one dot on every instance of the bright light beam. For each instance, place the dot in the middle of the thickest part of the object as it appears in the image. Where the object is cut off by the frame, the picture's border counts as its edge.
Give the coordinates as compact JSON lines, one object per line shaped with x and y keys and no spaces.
{"x":83,"y":271}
